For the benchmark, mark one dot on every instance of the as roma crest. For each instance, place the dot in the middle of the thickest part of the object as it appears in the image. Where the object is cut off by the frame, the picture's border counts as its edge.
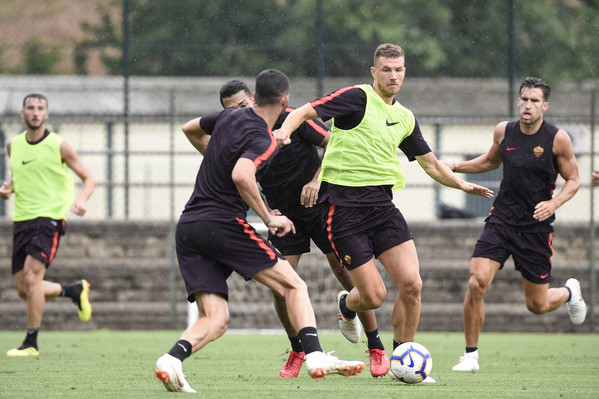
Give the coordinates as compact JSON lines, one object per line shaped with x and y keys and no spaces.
{"x":538,"y":151}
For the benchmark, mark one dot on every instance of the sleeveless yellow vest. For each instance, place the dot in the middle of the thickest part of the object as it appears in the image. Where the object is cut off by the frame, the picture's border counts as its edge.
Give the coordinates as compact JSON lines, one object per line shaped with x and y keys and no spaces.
{"x":42,"y":183}
{"x":367,"y":154}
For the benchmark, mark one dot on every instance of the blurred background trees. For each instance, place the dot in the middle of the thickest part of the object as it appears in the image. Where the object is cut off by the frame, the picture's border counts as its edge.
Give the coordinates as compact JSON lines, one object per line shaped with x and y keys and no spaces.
{"x":442,"y":38}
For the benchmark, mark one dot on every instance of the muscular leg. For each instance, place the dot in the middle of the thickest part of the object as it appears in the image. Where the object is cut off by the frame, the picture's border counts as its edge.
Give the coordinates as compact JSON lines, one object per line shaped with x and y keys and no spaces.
{"x":284,"y":281}
{"x":31,"y":286}
{"x":214,"y":316}
{"x":279,"y":301}
{"x":369,"y":292}
{"x":482,"y":273}
{"x":541,"y":299}
{"x":368,"y":317}
{"x":401,"y":262}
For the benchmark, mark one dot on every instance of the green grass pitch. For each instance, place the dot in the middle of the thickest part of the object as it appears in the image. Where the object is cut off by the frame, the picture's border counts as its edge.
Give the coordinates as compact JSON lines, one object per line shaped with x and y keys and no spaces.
{"x":120,"y":364}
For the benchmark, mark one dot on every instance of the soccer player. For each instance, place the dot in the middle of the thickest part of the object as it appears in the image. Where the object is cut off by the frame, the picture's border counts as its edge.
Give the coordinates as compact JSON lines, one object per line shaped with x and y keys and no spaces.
{"x":44,"y":192}
{"x":213,"y":238}
{"x":362,"y":169}
{"x":520,"y":223}
{"x":291,"y":187}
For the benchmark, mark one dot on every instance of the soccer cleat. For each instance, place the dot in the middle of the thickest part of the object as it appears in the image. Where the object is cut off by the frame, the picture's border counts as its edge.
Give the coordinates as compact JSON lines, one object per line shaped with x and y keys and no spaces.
{"x":429,"y":380}
{"x":577,"y":309}
{"x":169,"y":371}
{"x":82,"y":302}
{"x":293,"y":365}
{"x":320,"y":365}
{"x":350,"y":328}
{"x":23,"y":351}
{"x":379,"y":364}
{"x":468,"y":362}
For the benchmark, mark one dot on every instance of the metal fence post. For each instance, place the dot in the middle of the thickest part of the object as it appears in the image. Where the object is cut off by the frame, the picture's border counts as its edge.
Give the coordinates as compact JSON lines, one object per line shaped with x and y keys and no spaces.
{"x":592,"y":272}
{"x":2,"y":170}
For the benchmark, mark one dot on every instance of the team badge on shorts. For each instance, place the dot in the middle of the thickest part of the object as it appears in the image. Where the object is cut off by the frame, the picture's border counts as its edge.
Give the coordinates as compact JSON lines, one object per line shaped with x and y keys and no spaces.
{"x":538,"y":151}
{"x":347,"y":259}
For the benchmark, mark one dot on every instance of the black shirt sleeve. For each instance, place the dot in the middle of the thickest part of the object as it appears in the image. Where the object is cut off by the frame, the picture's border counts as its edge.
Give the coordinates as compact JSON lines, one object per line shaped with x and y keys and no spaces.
{"x":414,"y":144}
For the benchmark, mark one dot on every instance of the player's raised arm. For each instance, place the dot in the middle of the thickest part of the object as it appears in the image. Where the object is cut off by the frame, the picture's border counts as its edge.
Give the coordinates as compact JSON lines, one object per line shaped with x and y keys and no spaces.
{"x":292,"y":122}
{"x":196,"y":135}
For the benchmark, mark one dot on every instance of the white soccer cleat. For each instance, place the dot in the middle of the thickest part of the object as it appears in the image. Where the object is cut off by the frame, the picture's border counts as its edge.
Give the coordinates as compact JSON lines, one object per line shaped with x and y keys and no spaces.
{"x":350,"y":328}
{"x":169,"y":371}
{"x":468,"y":362}
{"x":320,"y":364}
{"x":577,"y":309}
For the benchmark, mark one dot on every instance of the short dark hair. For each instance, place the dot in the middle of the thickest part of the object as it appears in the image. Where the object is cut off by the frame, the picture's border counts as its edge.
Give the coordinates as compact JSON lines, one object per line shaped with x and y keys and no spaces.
{"x":388,"y":50}
{"x":233,"y":87}
{"x":536,"y":83}
{"x":35,"y":95}
{"x":271,"y":86}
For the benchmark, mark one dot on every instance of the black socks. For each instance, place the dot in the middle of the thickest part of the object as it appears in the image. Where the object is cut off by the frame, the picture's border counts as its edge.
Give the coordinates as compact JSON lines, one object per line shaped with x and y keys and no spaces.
{"x":348,"y":314}
{"x":309,"y":340}
{"x":296,"y":344}
{"x":181,"y":350}
{"x":70,"y":291}
{"x":31,"y":338}
{"x":374,"y":342}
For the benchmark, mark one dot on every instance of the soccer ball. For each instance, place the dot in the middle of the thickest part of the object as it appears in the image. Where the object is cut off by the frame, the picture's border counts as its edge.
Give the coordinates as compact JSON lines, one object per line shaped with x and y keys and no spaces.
{"x":410,"y":363}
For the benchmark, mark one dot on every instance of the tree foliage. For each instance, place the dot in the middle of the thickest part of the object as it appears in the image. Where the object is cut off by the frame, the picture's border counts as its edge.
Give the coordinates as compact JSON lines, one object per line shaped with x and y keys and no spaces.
{"x":455,"y":38}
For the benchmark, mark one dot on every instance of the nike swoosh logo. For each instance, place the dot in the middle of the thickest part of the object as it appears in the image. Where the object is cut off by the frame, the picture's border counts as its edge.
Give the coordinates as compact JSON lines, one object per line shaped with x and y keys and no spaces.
{"x":511,"y":148}
{"x":391,"y":123}
{"x":544,"y":275}
{"x":26,"y":162}
{"x":185,"y":349}
{"x":312,"y":334}
{"x":411,"y":361}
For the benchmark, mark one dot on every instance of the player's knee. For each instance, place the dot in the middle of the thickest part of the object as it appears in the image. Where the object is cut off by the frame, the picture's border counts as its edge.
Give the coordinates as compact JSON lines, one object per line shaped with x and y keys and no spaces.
{"x":375,"y":299}
{"x":22,"y":293}
{"x":536,"y":307}
{"x":477,"y":287}
{"x":412,"y":288}
{"x":219,"y":325}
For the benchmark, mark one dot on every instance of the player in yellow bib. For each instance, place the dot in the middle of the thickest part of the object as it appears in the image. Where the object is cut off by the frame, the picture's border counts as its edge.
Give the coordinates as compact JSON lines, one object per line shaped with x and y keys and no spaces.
{"x":362,"y":169}
{"x":44,"y":192}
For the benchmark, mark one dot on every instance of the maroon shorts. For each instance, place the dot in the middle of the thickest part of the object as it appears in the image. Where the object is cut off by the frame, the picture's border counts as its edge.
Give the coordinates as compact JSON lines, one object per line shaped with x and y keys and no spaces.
{"x":359,"y":233}
{"x":531,"y":252}
{"x":37,"y":237}
{"x":309,"y":224}
{"x":208,"y":252}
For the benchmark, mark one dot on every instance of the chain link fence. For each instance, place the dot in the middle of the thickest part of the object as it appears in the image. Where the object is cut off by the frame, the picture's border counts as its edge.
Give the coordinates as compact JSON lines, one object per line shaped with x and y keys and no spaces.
{"x":145,"y":168}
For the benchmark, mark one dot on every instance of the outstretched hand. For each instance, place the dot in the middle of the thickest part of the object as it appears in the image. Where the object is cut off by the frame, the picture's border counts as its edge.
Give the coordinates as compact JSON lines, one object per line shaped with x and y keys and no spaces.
{"x":475,"y":189}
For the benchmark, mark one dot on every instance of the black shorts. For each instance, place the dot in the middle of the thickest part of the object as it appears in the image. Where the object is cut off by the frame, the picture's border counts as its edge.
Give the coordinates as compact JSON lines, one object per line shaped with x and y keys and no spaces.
{"x":37,"y":237}
{"x":359,"y":233}
{"x":531,"y":252}
{"x":309,"y":224}
{"x":208,"y":252}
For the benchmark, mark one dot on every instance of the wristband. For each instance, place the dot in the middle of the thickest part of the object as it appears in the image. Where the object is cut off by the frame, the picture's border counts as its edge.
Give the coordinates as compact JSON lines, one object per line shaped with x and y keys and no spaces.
{"x":454,"y":168}
{"x":267,"y":223}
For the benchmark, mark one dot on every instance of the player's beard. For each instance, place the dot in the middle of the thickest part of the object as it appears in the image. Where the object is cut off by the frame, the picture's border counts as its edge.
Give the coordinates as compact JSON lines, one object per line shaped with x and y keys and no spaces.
{"x":33,"y":127}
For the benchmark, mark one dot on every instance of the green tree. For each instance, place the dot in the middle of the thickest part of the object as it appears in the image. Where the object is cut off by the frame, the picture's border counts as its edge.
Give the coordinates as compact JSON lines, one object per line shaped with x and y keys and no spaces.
{"x":39,"y":57}
{"x":455,"y":38}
